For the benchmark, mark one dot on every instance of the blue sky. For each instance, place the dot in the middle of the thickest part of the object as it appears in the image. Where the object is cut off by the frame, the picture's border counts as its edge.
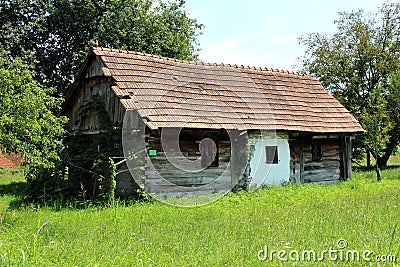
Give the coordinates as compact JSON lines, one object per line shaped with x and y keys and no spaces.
{"x":264,"y":33}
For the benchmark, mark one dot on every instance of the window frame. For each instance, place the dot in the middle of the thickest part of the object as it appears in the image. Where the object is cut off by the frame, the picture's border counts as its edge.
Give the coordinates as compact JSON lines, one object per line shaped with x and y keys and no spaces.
{"x":316,"y":152}
{"x":268,"y":155}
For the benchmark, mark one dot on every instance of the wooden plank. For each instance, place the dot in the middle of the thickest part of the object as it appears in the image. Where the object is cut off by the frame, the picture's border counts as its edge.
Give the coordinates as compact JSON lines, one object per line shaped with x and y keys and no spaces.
{"x":301,"y":160}
{"x":319,"y":178}
{"x":181,"y":190}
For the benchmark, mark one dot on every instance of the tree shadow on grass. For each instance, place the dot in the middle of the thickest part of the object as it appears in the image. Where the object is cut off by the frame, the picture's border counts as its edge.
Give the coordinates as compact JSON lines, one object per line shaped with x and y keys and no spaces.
{"x":19,"y":191}
{"x":16,"y":189}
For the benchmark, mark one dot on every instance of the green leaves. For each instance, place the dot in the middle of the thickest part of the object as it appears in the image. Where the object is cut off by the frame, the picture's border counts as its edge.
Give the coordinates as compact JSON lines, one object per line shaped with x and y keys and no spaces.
{"x":376,"y":121}
{"x":142,"y":25}
{"x":27,"y":121}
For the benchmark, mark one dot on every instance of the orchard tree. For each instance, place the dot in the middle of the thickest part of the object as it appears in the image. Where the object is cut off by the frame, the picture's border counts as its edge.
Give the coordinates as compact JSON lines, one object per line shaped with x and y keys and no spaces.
{"x":68,"y":28}
{"x":141,"y":25}
{"x":27,"y":121}
{"x":356,"y":65}
{"x":393,"y":97}
{"x":377,"y":123}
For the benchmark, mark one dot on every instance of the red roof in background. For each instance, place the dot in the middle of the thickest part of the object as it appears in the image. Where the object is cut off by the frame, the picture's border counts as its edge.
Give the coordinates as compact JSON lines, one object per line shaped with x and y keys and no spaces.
{"x":6,"y":163}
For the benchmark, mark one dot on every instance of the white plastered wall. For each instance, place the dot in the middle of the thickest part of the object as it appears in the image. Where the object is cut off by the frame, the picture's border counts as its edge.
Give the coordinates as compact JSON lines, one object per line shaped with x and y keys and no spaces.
{"x":262,"y":173}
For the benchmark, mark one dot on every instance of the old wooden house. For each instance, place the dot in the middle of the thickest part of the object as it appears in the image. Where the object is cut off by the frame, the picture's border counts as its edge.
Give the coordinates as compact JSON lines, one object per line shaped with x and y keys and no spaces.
{"x":222,"y":125}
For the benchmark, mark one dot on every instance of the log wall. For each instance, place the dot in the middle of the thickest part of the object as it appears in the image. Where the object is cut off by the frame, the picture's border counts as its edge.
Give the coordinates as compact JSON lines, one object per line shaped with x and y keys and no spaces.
{"x":324,"y":170}
{"x":164,"y":177}
{"x":305,"y":169}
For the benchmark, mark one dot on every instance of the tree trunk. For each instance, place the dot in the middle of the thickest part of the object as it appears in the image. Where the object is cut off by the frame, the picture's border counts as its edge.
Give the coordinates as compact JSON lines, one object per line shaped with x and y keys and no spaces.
{"x":368,"y":158}
{"x":378,"y":172}
{"x":382,"y":161}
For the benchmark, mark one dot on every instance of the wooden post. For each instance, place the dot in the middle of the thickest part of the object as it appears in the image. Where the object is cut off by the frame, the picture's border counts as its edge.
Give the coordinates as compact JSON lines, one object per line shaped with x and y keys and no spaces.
{"x":345,"y":158}
{"x":301,"y":159}
{"x":348,"y":156}
{"x":239,"y":155}
{"x":134,"y":146}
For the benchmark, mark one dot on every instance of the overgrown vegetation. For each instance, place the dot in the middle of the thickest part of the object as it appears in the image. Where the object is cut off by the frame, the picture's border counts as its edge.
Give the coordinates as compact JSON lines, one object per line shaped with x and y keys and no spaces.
{"x":29,"y":126}
{"x":90,"y":167}
{"x":27,"y":122}
{"x":89,"y":157}
{"x":229,"y":232}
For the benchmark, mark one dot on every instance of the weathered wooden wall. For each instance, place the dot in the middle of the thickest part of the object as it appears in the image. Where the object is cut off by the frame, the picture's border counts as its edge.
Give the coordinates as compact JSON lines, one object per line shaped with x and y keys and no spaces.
{"x":95,"y":105}
{"x":327,"y":169}
{"x":95,"y":110}
{"x":303,"y":169}
{"x":162,"y":177}
{"x":126,"y":185}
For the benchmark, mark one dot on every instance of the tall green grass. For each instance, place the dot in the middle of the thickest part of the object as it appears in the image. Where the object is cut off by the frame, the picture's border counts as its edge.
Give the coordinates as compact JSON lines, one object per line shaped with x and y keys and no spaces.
{"x":229,"y":232}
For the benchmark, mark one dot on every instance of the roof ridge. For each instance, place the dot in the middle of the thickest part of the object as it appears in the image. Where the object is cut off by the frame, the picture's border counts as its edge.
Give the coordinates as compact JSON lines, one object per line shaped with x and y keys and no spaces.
{"x":200,"y":62}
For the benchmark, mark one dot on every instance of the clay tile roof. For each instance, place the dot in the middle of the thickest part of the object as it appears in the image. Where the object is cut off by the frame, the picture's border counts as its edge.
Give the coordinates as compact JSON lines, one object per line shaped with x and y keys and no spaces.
{"x":179,"y":93}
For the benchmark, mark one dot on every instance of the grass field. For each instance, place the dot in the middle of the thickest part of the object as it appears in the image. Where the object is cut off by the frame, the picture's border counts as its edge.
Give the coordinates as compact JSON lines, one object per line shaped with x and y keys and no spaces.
{"x":234,"y":231}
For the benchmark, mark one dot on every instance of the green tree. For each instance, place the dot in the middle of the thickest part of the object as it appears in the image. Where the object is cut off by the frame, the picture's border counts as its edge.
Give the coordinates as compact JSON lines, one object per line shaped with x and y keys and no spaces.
{"x":21,"y":28}
{"x":56,"y":34}
{"x":68,"y":29}
{"x":377,"y":123}
{"x":162,"y":29}
{"x":27,"y":120}
{"x":356,"y":64}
